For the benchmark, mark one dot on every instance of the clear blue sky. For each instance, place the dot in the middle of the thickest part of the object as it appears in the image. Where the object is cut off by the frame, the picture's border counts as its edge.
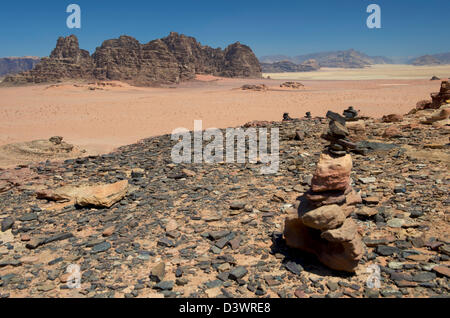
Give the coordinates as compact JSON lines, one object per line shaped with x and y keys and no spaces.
{"x":290,"y":27}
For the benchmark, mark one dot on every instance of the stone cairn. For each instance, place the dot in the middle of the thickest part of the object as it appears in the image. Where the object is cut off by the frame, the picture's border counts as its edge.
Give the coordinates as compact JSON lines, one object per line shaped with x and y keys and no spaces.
{"x":321,"y":223}
{"x":441,"y":98}
{"x":286,"y":117}
{"x":351,"y":114}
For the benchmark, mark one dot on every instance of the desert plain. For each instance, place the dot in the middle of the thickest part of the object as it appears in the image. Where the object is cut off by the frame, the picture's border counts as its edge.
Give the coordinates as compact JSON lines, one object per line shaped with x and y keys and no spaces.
{"x":100,"y":118}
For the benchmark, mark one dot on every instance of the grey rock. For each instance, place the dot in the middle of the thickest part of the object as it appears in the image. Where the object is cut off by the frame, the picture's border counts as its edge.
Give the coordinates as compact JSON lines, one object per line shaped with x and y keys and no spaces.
{"x":238,"y":272}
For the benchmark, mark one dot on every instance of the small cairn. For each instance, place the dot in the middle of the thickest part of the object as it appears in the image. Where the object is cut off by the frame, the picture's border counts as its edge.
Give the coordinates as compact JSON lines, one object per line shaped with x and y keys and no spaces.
{"x":286,"y":117}
{"x":337,"y":136}
{"x":441,"y":98}
{"x":351,"y":114}
{"x":321,"y":224}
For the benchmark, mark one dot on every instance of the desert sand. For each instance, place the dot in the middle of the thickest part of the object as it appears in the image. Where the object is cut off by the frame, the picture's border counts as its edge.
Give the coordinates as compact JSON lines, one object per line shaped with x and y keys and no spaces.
{"x":100,"y":119}
{"x":384,"y":72}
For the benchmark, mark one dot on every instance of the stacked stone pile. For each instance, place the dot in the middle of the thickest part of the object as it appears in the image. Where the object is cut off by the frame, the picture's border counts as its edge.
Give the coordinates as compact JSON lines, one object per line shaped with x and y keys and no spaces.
{"x":321,"y":225}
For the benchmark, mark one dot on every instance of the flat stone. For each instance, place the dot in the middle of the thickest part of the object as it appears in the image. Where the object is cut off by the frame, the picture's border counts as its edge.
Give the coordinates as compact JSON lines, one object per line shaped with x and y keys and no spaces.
{"x":294,"y":267}
{"x":102,"y":247}
{"x":424,"y":277}
{"x":386,"y":250}
{"x":7,"y":223}
{"x":238,"y":272}
{"x":28,"y":217}
{"x":367,"y":180}
{"x":395,"y":223}
{"x":366,"y":212}
{"x":165,"y":285}
{"x":237,"y":205}
{"x":442,"y":270}
{"x":324,"y":218}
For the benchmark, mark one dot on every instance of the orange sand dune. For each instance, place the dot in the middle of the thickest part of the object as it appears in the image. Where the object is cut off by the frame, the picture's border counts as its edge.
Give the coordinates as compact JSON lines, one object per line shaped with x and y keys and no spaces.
{"x":100,"y":120}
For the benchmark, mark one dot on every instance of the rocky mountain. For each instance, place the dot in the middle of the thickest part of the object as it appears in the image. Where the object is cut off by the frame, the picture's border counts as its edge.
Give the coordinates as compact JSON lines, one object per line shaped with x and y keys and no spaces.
{"x":14,"y":65}
{"x":287,"y":66}
{"x":168,"y":60}
{"x":436,"y":59}
{"x":345,"y":59}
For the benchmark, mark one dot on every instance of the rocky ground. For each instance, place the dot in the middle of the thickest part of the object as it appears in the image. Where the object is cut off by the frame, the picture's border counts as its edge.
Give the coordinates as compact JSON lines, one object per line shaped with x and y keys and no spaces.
{"x":216,"y":230}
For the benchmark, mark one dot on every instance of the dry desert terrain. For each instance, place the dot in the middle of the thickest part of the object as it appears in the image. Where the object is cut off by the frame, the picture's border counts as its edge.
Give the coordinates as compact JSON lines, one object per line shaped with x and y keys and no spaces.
{"x":101,"y":118}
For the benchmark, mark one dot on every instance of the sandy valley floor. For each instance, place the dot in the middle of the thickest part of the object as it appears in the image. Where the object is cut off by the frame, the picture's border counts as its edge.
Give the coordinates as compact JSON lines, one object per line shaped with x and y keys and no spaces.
{"x":101,"y":120}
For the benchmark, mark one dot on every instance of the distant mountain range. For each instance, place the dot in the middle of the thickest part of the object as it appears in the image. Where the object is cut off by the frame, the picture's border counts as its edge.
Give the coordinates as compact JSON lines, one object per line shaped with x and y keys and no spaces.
{"x":436,"y":59}
{"x":351,"y":59}
{"x":345,"y":59}
{"x":288,"y":66}
{"x":14,"y":65}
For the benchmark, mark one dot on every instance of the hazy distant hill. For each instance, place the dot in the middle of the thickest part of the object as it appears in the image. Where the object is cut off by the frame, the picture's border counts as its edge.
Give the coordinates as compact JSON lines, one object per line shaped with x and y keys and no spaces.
{"x":345,"y":59}
{"x":14,"y":65}
{"x":288,"y":66}
{"x":435,"y":59}
{"x":274,"y":58}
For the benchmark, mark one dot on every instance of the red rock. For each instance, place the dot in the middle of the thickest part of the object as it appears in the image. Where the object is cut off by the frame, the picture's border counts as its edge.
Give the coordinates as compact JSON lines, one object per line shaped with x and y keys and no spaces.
{"x":25,"y":237}
{"x":300,"y":294}
{"x":345,"y":233}
{"x":328,"y":197}
{"x":324,"y":218}
{"x":353,"y":198}
{"x":341,"y":256}
{"x":443,"y":270}
{"x":366,"y":212}
{"x":109,"y":231}
{"x":392,"y":118}
{"x":392,"y":132}
{"x":332,"y":173}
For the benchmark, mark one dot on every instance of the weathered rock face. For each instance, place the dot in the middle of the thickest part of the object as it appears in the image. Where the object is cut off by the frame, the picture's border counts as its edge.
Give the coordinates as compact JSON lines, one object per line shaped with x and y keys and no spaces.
{"x":240,"y":62}
{"x":169,"y":60}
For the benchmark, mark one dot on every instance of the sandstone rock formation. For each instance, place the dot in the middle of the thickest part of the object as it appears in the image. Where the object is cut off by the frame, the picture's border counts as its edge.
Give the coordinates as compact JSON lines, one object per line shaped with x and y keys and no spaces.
{"x":67,"y":60}
{"x":164,"y":61}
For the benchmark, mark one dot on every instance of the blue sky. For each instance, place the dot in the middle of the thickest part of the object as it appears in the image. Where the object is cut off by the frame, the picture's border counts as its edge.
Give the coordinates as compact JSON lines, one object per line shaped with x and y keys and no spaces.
{"x":290,"y":27}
